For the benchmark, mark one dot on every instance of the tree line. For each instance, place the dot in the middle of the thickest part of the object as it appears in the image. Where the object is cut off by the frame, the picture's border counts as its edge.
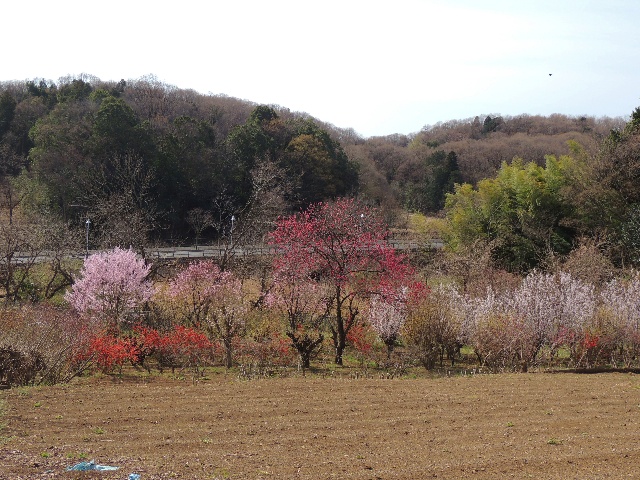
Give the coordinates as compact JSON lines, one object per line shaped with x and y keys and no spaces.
{"x":149,"y":162}
{"x":335,"y":284}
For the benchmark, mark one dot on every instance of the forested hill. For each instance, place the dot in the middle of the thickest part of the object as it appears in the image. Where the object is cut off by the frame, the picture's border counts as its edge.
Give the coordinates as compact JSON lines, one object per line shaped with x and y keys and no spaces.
{"x":144,"y":159}
{"x":417,"y":169}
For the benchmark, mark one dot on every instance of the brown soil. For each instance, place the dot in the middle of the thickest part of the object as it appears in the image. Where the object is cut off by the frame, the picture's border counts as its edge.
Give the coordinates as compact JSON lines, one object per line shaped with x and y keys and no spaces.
{"x":543,"y":426}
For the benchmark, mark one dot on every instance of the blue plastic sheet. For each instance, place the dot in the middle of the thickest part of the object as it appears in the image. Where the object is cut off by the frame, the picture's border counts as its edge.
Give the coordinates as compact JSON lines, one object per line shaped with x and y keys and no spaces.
{"x":92,"y":465}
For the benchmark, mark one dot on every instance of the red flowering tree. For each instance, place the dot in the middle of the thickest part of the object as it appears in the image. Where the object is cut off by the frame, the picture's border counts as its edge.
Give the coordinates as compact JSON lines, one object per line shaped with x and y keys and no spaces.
{"x":344,"y":244}
{"x":111,"y":287}
{"x":212,"y":299}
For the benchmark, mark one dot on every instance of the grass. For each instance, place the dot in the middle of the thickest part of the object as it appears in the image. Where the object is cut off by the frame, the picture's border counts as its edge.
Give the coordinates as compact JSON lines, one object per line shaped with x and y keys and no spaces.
{"x":3,"y":410}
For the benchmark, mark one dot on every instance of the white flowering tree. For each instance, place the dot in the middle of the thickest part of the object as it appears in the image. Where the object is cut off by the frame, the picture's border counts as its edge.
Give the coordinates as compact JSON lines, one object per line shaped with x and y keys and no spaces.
{"x":510,"y":329}
{"x":555,"y":308}
{"x":387,"y":316}
{"x":620,"y":302}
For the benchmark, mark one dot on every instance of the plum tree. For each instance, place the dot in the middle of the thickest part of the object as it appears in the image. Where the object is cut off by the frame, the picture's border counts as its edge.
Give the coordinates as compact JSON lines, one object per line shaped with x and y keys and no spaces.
{"x":344,"y":245}
{"x":111,"y":287}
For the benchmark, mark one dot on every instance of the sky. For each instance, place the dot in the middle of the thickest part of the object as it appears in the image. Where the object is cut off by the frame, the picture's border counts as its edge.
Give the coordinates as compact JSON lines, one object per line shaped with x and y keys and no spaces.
{"x":379,"y":67}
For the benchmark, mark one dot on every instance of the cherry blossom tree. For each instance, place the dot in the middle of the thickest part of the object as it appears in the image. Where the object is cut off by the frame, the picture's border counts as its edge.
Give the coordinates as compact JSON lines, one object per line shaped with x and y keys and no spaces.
{"x":343,"y":244}
{"x":112,"y":286}
{"x":212,"y":299}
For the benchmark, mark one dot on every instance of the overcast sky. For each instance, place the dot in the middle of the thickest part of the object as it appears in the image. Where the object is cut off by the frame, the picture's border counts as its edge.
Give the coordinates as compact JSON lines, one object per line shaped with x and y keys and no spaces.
{"x":379,"y":67}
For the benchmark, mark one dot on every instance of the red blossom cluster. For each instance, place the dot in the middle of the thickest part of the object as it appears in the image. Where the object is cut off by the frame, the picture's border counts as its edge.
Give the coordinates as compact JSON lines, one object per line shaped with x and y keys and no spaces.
{"x":181,"y":346}
{"x":359,"y":337}
{"x":110,"y":351}
{"x":177,"y":347}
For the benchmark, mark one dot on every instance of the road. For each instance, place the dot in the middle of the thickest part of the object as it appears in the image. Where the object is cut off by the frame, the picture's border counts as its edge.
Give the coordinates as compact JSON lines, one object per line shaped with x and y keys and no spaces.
{"x":213,"y":251}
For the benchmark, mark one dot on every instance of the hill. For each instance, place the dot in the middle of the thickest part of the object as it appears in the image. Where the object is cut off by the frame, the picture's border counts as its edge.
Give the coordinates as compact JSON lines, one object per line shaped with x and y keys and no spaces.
{"x":144,"y":159}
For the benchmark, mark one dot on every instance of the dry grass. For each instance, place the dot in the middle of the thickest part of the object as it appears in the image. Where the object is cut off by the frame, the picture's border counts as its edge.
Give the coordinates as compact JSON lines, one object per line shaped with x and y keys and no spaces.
{"x":543,"y":426}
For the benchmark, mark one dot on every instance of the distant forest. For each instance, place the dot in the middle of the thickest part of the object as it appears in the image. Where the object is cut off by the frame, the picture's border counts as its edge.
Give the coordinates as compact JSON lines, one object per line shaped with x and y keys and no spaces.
{"x":149,"y":162}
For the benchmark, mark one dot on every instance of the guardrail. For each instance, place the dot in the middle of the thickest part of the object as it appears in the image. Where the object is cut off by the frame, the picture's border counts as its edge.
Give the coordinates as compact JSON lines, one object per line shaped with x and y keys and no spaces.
{"x":210,"y":251}
{"x":259,"y":250}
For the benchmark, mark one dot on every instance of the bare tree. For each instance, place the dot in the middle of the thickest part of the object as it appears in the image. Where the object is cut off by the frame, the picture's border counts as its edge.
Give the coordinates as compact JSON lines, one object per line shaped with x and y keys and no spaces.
{"x":199,"y":220}
{"x":122,"y":207}
{"x":270,"y":189}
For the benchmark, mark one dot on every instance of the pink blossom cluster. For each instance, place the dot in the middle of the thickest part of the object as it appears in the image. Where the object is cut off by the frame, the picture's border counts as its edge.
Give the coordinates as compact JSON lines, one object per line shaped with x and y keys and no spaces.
{"x":111,"y":286}
{"x":213,"y":300}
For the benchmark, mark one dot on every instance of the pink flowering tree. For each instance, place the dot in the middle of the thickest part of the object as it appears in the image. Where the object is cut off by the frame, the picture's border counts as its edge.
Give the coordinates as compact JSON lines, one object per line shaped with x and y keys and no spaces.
{"x":111,"y":288}
{"x":213,"y":300}
{"x":302,"y":304}
{"x":343,"y":244}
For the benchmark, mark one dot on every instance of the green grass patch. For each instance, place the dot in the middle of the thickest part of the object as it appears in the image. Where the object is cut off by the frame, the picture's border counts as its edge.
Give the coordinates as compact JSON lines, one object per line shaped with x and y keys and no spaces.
{"x":3,"y":411}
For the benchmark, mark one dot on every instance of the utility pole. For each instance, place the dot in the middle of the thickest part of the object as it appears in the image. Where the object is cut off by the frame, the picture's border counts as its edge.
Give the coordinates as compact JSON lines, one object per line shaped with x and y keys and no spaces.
{"x":87,"y":223}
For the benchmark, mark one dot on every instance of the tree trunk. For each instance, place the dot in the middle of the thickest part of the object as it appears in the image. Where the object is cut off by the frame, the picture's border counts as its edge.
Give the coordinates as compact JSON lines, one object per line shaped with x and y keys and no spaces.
{"x":305,"y":359}
{"x":228,"y":353}
{"x":339,"y":350}
{"x":390,"y":342}
{"x":339,"y":334}
{"x":305,"y":347}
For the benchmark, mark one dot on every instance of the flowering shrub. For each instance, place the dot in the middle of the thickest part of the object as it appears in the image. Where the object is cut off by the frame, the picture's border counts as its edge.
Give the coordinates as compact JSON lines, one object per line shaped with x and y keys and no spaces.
{"x":510,"y":329}
{"x":108,"y":352}
{"x":178,"y":348}
{"x":621,"y":303}
{"x":361,"y":337}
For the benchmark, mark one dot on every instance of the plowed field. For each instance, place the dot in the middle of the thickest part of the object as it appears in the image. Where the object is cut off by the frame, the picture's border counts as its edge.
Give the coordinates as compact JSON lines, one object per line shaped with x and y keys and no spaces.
{"x":543,"y":426}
